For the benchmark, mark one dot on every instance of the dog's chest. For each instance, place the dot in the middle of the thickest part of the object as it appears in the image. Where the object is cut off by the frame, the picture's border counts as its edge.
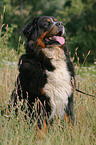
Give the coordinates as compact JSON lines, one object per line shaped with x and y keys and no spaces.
{"x":58,"y":86}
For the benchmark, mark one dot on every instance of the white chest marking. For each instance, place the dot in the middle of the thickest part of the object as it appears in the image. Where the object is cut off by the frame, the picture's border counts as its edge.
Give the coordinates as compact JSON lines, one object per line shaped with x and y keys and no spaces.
{"x":58,"y":86}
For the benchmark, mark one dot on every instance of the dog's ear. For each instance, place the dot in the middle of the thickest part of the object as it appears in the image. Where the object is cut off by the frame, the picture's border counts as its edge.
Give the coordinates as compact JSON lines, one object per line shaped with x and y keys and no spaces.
{"x":30,"y":31}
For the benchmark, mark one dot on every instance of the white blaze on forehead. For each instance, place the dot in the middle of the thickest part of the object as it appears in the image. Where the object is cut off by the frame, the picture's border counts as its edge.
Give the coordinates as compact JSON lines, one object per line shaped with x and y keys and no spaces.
{"x":58,"y":86}
{"x":52,"y":20}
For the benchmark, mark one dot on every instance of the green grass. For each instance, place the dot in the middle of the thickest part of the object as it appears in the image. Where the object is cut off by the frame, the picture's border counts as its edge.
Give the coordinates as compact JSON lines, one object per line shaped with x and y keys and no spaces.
{"x":16,"y":131}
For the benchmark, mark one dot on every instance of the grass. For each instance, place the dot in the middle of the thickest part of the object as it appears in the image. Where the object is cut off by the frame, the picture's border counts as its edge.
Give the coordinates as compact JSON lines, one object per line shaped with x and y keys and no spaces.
{"x":16,"y":131}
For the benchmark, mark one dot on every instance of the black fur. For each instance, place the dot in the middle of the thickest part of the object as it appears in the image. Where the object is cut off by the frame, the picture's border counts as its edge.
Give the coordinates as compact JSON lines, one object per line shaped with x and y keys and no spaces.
{"x":32,"y":66}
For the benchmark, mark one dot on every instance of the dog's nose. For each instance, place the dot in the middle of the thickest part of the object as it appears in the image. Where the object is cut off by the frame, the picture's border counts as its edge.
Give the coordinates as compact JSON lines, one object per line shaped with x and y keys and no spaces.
{"x":59,"y":24}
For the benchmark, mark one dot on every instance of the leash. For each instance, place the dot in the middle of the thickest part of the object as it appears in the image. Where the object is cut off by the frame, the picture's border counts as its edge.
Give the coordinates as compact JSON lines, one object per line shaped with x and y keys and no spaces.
{"x":77,"y":90}
{"x":84,"y":93}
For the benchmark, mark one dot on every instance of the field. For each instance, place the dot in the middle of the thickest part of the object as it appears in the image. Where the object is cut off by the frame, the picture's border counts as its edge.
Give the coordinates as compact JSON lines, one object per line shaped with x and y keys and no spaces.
{"x":18,"y":132}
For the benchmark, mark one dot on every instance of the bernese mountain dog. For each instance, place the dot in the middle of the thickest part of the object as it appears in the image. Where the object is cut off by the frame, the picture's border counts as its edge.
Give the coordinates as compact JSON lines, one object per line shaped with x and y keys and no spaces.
{"x":46,"y":71}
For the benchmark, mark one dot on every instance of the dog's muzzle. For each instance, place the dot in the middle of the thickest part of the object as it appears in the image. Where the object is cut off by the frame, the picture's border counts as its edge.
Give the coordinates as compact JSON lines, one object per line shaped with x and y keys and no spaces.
{"x":60,"y":27}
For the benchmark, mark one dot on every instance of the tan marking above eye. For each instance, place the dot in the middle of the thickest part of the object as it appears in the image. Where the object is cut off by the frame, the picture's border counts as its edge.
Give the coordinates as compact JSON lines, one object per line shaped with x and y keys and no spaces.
{"x":48,"y":20}
{"x":55,"y":20}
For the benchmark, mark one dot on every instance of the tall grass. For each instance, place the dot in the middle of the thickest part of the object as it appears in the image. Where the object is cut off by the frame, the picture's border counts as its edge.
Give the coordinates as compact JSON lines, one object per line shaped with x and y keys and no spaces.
{"x":15,"y":130}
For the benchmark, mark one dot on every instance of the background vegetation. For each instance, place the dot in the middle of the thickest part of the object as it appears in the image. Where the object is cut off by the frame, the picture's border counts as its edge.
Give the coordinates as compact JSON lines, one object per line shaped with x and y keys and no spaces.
{"x":78,"y":16}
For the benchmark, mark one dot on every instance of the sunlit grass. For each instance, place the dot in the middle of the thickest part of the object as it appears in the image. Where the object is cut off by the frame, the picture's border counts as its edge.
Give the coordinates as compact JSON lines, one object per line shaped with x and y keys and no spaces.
{"x":17,"y":131}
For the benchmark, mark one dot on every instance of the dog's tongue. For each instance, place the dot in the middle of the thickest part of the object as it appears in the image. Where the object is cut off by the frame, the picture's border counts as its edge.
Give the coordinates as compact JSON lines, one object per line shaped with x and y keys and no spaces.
{"x":61,"y":40}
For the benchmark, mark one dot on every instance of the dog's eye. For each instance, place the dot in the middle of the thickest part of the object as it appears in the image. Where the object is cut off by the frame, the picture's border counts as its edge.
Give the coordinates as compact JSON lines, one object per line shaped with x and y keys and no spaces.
{"x":45,"y":24}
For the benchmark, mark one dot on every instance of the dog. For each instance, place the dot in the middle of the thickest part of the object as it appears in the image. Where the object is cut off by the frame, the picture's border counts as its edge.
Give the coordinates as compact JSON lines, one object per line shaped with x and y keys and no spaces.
{"x":46,"y":71}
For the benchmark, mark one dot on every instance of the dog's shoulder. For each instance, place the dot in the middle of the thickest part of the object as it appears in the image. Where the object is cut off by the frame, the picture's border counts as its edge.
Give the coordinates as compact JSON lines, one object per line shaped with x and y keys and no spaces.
{"x":26,"y":63}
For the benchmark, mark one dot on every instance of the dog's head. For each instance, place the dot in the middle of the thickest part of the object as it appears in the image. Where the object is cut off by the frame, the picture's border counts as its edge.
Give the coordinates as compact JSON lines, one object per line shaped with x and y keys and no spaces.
{"x":45,"y":30}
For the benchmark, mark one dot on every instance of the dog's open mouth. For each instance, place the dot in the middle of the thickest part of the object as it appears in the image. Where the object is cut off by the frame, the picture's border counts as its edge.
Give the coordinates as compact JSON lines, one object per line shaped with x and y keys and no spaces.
{"x":54,"y":39}
{"x":57,"y":39}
